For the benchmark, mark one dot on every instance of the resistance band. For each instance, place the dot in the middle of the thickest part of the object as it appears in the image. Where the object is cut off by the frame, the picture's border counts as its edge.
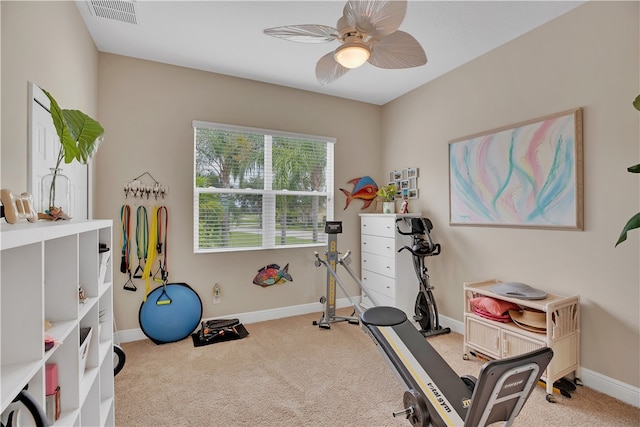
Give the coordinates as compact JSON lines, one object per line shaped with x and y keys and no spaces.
{"x":163,"y":227}
{"x":125,"y":265}
{"x":142,"y":233}
{"x":151,"y":250}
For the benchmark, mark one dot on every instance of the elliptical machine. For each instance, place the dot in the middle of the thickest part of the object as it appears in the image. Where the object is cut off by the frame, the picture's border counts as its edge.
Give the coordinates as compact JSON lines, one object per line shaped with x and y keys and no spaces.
{"x":426,"y":310}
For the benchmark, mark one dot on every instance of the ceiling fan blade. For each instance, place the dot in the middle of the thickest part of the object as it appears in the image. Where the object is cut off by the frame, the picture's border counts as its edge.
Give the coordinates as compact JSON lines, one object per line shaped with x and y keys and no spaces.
{"x":376,"y":18}
{"x":397,"y":50}
{"x":308,"y":33}
{"x":328,"y":70}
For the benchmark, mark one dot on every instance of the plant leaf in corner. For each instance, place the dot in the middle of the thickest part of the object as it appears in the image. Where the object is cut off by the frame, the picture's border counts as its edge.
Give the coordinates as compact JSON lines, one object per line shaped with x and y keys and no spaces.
{"x":68,"y":144}
{"x":634,"y":169}
{"x":633,"y":223}
{"x":86,"y":133}
{"x":636,"y":103}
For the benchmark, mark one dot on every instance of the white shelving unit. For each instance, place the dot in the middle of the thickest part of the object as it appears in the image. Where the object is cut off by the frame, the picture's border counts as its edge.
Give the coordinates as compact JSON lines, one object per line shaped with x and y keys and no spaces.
{"x":43,"y":265}
{"x":498,"y":340}
{"x":386,"y":274}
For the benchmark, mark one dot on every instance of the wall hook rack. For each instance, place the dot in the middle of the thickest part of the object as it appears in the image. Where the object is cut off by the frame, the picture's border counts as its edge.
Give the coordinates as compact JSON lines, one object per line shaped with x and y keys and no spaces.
{"x":138,"y":188}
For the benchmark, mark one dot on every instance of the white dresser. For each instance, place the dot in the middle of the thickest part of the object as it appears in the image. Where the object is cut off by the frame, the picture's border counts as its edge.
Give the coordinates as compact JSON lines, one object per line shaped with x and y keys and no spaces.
{"x":386,"y":274}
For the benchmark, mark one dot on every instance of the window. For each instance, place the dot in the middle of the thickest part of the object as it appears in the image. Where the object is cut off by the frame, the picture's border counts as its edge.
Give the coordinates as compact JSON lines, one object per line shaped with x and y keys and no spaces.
{"x":260,"y":189}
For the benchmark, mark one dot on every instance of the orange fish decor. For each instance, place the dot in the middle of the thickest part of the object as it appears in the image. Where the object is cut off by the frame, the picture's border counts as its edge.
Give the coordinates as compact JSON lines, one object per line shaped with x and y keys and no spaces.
{"x":364,"y":188}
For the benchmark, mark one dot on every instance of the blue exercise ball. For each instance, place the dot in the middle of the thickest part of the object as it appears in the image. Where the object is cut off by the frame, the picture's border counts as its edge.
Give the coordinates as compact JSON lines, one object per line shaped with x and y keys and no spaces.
{"x":170,"y":313}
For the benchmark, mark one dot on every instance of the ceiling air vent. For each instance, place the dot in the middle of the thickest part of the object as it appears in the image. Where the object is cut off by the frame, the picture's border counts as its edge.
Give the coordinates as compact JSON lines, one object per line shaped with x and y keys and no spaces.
{"x":119,"y":10}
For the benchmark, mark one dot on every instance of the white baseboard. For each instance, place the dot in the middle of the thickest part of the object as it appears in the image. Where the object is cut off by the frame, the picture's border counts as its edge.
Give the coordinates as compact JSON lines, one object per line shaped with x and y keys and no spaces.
{"x":250,"y":317}
{"x":609,"y":386}
{"x":456,"y":326}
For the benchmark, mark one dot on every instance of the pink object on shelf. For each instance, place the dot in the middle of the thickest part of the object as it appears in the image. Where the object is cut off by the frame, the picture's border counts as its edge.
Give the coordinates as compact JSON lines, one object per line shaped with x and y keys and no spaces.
{"x":51,"y":382}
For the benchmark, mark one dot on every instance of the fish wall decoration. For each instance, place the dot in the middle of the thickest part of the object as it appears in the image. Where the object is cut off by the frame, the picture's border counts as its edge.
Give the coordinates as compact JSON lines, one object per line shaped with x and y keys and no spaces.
{"x":272,"y":275}
{"x":364,"y":188}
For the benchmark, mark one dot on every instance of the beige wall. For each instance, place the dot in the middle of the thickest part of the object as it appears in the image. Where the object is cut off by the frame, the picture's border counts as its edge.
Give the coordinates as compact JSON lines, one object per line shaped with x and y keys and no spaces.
{"x":587,"y":58}
{"x":45,"y":43}
{"x":148,"y":109}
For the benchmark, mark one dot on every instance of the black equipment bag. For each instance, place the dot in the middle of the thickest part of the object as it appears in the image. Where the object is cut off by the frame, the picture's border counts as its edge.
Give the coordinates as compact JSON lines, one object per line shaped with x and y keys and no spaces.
{"x":218,"y":330}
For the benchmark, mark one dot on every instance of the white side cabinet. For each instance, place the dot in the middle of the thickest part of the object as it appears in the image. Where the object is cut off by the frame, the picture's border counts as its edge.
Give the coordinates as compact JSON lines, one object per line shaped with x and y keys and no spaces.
{"x":499,"y":340}
{"x":387,"y":274}
{"x":43,"y":265}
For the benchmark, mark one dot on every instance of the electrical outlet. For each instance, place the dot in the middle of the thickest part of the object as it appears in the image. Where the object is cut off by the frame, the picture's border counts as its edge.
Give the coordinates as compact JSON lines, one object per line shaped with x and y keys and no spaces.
{"x":216,"y":293}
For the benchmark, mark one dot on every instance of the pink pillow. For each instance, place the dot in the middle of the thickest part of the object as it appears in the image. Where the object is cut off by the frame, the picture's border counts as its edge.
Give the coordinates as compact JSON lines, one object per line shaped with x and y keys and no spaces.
{"x":494,"y":306}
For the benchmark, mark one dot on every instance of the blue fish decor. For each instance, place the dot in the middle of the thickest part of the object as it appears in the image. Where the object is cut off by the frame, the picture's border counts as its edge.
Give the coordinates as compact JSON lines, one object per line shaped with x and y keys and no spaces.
{"x":364,"y":188}
{"x":272,"y":275}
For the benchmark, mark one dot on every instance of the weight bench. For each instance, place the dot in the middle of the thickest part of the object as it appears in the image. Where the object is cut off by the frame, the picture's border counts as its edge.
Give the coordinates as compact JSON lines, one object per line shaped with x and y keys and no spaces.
{"x":435,"y":394}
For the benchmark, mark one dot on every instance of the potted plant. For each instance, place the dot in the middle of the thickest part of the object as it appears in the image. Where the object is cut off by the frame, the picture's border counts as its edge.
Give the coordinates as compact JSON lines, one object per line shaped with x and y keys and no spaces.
{"x":634,"y":221}
{"x":387,"y":194}
{"x":80,"y":137}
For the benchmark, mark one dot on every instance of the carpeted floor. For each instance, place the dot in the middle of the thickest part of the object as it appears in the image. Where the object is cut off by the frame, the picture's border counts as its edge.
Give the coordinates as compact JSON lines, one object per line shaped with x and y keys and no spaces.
{"x":288,"y":372}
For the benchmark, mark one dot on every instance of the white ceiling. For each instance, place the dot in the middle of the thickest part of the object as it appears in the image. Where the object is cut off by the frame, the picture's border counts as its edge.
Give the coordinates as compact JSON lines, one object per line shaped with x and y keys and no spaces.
{"x":226,"y":37}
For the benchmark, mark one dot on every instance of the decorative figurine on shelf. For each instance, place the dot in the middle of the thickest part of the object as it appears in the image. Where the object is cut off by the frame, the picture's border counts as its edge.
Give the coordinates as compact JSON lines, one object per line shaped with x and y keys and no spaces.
{"x":405,"y":205}
{"x":81,"y":296}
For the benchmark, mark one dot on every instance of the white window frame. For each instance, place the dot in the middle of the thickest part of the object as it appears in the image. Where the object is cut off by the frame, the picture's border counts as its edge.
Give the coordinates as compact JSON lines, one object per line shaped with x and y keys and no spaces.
{"x":269,"y":195}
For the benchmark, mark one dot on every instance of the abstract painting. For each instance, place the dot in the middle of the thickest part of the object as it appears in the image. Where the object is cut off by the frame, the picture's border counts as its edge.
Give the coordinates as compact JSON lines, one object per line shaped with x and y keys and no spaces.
{"x":523,"y":175}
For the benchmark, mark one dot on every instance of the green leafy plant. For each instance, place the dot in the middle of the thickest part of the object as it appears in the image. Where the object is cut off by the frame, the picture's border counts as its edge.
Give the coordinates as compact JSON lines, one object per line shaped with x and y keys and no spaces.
{"x":387,"y":193}
{"x":634,"y":221}
{"x":80,"y":137}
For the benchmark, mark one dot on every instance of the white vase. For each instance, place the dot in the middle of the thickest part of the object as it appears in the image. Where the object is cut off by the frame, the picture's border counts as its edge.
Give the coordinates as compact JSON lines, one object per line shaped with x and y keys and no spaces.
{"x":388,"y":207}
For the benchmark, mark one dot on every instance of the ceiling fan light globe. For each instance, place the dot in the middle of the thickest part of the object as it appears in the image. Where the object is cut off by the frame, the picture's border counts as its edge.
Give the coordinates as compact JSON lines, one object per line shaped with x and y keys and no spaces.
{"x":352,"y":55}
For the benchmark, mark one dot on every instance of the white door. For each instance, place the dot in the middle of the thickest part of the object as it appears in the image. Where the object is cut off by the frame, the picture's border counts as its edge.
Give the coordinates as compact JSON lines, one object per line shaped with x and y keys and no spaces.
{"x":43,"y":149}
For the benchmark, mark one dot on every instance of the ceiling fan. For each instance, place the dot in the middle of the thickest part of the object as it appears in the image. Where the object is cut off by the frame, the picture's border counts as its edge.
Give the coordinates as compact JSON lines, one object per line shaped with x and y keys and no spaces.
{"x":367,"y":32}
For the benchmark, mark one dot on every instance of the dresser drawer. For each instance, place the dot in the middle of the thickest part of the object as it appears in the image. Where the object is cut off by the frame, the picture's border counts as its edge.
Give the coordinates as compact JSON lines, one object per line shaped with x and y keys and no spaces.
{"x":379,"y":264}
{"x":379,"y":245}
{"x":378,"y":225}
{"x":379,"y":283}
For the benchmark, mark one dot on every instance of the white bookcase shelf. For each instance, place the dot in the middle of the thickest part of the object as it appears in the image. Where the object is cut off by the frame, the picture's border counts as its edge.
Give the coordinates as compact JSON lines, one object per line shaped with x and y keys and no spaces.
{"x":43,"y":265}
